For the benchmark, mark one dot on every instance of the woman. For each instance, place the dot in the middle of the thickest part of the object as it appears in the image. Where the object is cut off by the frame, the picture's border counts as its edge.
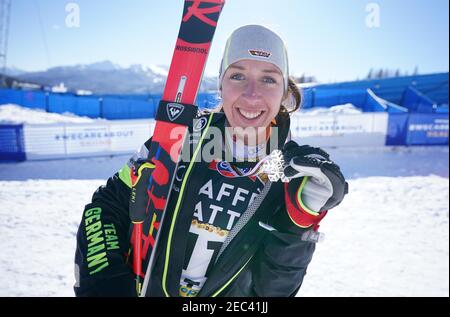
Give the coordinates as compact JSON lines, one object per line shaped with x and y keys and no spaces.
{"x":236,"y":233}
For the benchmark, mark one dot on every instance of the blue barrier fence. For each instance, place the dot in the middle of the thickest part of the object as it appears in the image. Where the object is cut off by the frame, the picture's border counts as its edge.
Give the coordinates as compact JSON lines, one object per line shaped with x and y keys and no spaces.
{"x":12,"y":146}
{"x":417,"y":108}
{"x":110,"y":107}
{"x":416,"y":101}
{"x":132,"y":107}
{"x":417,"y":129}
{"x":115,"y":108}
{"x":397,"y":129}
{"x":410,"y":129}
{"x":427,"y":129}
{"x":413,"y":94}
{"x":435,"y":86}
{"x":85,"y":106}
{"x":29,"y":99}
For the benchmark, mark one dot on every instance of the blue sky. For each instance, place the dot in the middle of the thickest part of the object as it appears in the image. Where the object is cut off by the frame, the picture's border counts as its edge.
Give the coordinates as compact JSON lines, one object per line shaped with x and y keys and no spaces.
{"x":329,"y":39}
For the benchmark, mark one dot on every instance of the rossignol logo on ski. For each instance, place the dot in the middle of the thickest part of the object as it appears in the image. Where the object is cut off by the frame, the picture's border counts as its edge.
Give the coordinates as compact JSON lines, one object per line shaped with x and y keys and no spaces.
{"x":192,"y":49}
{"x":259,"y":53}
{"x":174,"y":110}
{"x":200,"y":15}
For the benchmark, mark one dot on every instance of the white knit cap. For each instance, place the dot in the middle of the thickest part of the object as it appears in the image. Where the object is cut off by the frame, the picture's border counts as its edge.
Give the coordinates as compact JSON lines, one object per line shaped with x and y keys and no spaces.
{"x":255,"y":42}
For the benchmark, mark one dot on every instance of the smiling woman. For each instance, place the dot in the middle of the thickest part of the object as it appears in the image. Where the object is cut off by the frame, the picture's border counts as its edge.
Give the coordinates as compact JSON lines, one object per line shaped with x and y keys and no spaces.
{"x":252,"y":93}
{"x":254,"y":82}
{"x":255,"y":87}
{"x":230,"y":233}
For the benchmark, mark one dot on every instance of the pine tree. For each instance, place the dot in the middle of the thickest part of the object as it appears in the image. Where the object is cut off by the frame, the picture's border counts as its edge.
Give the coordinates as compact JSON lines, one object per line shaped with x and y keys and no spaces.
{"x":380,"y":74}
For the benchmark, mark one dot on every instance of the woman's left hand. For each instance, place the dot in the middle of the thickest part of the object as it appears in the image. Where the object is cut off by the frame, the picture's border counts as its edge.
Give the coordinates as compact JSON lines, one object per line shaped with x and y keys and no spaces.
{"x":323,"y":186}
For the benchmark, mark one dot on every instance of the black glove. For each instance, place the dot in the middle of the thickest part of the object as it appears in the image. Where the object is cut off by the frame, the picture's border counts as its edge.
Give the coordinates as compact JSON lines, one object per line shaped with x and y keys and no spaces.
{"x":323,"y":186}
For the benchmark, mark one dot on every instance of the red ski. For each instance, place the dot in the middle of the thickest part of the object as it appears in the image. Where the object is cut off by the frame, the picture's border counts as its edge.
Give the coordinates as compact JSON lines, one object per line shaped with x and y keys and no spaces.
{"x":175,"y":113}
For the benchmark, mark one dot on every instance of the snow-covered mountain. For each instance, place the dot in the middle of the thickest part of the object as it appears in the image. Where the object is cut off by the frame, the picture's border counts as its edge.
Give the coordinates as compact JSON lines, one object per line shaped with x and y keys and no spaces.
{"x":108,"y":78}
{"x":14,"y":71}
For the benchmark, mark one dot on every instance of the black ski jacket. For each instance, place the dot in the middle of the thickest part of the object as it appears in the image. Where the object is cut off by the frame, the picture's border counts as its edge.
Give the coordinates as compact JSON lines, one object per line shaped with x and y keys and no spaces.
{"x":265,"y":257}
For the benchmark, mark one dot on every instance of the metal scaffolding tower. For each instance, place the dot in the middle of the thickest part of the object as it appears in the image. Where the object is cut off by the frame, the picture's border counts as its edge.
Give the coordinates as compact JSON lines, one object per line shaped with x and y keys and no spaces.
{"x":5,"y":10}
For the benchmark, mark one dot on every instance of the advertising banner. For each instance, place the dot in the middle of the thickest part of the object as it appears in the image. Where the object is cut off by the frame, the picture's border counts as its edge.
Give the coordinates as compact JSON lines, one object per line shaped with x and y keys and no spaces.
{"x":427,"y":129}
{"x":366,"y":129}
{"x":88,"y":139}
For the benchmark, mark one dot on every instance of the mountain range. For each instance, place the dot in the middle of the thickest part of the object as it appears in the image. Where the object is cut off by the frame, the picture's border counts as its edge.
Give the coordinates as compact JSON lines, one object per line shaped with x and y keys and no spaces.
{"x":106,"y":78}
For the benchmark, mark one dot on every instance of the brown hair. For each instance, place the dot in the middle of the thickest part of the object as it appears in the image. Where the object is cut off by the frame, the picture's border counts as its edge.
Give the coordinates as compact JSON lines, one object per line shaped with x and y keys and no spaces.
{"x":294,"y":98}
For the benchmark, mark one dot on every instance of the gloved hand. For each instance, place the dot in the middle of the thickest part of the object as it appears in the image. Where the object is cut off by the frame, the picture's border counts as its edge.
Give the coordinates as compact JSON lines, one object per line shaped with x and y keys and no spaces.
{"x":316,"y":185}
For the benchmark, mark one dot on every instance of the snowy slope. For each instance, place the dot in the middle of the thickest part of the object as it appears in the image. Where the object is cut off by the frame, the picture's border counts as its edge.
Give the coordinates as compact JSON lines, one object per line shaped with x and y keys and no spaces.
{"x":347,"y":108}
{"x":388,"y":238}
{"x":38,"y":222}
{"x":14,"y":114}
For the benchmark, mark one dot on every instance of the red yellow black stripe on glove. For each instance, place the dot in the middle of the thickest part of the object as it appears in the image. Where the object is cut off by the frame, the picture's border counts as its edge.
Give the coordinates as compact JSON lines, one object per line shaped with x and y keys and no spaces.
{"x":317,"y":184}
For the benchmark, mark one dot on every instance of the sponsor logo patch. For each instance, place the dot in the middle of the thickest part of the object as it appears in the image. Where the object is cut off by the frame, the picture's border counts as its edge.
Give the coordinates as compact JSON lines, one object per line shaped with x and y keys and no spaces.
{"x":174,"y":110}
{"x":200,"y":124}
{"x":260,"y":53}
{"x":224,"y":168}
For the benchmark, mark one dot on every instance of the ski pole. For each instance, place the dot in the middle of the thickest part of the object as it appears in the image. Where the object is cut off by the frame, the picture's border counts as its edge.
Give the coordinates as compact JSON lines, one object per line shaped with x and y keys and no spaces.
{"x":140,"y":175}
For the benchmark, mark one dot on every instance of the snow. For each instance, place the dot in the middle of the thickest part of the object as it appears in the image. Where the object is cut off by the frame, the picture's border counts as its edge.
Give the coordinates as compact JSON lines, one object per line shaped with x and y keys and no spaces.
{"x":389,"y":237}
{"x":159,"y":70}
{"x":14,"y":114}
{"x":347,"y":108}
{"x":39,"y":219}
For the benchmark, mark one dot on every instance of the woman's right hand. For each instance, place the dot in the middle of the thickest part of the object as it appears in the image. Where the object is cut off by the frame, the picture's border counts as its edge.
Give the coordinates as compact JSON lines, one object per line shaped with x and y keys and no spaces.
{"x":325,"y":186}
